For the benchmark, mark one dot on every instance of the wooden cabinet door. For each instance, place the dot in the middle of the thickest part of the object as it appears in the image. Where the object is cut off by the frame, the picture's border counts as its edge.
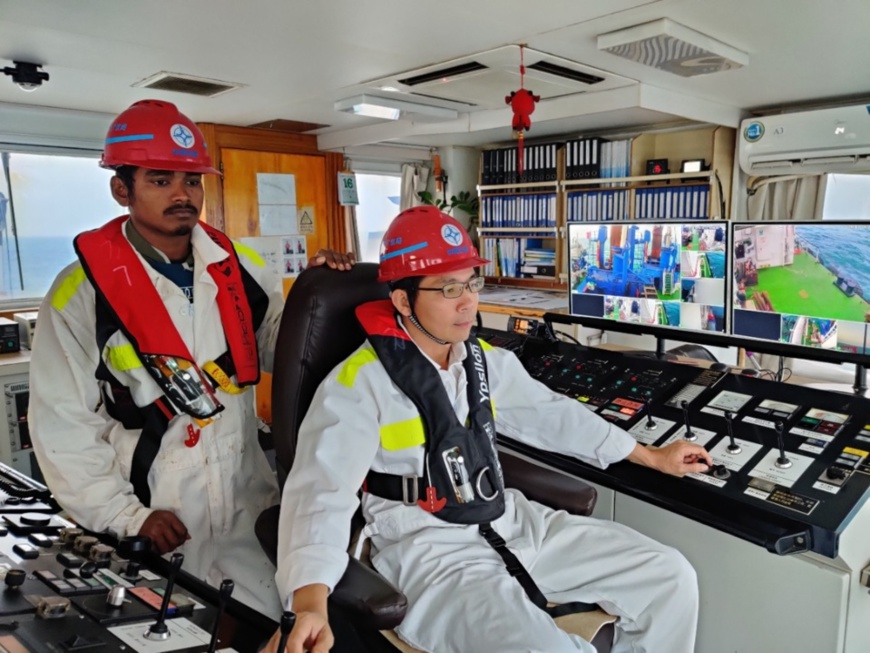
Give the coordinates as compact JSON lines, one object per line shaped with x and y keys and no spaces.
{"x":241,"y":211}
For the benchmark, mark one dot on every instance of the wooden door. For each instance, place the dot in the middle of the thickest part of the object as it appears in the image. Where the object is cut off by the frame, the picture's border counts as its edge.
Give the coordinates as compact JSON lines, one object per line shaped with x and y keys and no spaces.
{"x":241,"y":211}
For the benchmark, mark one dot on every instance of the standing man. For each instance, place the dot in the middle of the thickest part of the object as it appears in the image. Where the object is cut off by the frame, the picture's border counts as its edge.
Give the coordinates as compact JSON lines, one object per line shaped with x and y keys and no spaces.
{"x":141,"y":410}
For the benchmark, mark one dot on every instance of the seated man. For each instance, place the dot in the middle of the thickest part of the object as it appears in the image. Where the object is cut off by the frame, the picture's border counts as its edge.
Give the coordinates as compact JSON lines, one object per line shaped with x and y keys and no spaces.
{"x":411,"y":418}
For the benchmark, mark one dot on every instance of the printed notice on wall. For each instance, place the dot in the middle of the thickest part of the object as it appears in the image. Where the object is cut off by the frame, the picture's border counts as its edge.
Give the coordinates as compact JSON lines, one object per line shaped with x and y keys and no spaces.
{"x":276,"y":199}
{"x":305,"y":220}
{"x":285,"y":256}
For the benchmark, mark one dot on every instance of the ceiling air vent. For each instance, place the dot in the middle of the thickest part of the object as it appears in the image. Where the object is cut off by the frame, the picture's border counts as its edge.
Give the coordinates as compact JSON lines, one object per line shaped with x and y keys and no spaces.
{"x":443,"y":73}
{"x":178,"y":83}
{"x":550,"y":68}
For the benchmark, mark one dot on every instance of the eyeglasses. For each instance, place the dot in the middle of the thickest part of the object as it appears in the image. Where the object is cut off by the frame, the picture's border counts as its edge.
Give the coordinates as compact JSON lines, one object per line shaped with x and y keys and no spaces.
{"x":455,"y":290}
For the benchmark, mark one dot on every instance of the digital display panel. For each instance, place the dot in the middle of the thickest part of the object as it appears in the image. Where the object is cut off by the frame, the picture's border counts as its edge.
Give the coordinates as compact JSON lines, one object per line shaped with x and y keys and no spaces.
{"x":668,"y":273}
{"x":802,"y":283}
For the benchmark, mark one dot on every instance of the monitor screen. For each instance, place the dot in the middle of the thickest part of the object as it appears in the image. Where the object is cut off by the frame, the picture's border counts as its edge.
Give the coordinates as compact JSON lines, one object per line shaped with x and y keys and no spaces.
{"x":803,"y":283}
{"x":669,"y":273}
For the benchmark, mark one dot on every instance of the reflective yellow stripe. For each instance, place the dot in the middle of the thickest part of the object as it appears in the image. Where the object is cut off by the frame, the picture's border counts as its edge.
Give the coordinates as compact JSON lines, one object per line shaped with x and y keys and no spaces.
{"x":484,"y":344}
{"x":250,"y":253}
{"x":214,"y":371}
{"x":348,"y":373}
{"x":123,"y":358}
{"x":67,"y":288}
{"x":403,"y":435}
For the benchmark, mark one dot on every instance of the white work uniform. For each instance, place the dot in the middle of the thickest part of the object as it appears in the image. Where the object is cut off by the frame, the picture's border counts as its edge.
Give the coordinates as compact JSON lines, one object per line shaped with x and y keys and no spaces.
{"x":460,"y":595}
{"x":217,"y":488}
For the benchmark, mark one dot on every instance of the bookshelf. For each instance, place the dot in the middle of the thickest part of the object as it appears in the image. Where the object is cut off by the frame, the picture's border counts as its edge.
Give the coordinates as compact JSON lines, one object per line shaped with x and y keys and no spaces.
{"x":592,"y":179}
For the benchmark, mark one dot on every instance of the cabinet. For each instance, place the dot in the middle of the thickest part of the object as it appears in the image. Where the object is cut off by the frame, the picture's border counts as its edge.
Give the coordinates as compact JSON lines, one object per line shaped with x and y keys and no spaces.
{"x":522,"y":225}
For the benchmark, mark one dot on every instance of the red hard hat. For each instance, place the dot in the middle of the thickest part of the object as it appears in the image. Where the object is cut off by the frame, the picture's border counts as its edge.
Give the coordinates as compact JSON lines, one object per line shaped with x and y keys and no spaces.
{"x":423,"y":241}
{"x":155,"y":134}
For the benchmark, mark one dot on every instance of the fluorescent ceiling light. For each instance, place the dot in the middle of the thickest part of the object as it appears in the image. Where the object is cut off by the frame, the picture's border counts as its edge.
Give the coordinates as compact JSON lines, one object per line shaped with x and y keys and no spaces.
{"x":391,"y":108}
{"x":672,"y":47}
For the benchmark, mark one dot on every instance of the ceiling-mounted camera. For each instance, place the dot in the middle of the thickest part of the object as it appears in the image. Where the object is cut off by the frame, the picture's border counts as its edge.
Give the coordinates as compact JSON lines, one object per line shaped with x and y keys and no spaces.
{"x":26,"y":75}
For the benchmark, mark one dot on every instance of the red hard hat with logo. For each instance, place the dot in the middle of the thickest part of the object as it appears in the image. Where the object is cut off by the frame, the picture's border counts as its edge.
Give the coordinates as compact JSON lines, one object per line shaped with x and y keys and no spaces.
{"x":423,"y":241}
{"x":154,"y":134}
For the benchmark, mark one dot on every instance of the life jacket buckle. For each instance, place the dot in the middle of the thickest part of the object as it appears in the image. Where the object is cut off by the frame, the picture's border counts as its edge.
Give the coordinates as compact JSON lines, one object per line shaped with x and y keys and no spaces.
{"x":410,"y":489}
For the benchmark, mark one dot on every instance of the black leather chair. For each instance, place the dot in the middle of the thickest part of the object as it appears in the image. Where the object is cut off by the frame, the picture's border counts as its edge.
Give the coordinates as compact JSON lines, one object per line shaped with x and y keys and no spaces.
{"x":318,"y":331}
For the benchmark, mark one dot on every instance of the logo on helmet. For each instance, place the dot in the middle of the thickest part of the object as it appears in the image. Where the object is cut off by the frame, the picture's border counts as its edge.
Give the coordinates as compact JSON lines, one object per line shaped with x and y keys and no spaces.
{"x":451,"y":235}
{"x":182,"y":136}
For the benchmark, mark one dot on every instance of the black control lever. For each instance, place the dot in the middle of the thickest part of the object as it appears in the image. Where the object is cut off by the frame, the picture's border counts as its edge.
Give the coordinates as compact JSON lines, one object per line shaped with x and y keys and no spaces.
{"x":782,"y":462}
{"x":287,"y":621}
{"x":732,"y":448}
{"x":650,"y":422}
{"x":689,"y":434}
{"x":226,"y":591}
{"x":159,"y":631}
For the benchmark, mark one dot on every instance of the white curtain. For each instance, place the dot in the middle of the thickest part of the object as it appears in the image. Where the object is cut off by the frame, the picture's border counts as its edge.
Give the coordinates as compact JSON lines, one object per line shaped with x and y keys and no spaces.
{"x":414,"y":180}
{"x":787,"y":198}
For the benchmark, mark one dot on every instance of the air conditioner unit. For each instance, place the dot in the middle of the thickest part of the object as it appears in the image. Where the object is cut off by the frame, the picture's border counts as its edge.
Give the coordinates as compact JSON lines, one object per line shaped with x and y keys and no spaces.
{"x":807,"y":142}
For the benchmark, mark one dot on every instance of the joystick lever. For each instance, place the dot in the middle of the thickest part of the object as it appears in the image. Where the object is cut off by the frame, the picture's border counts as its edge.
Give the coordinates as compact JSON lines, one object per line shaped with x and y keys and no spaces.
{"x":288,"y":619}
{"x":650,"y":422}
{"x":159,"y":631}
{"x":689,"y":434}
{"x":733,"y":447}
{"x":225,"y":592}
{"x":782,"y":462}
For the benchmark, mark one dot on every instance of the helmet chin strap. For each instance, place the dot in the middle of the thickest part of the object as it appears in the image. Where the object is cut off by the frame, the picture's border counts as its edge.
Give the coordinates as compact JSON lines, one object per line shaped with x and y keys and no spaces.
{"x":412,"y":318}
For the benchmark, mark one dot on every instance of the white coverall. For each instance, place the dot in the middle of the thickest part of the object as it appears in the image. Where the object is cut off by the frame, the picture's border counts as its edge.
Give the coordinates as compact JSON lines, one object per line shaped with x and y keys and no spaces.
{"x":461,"y":598}
{"x":217,"y":487}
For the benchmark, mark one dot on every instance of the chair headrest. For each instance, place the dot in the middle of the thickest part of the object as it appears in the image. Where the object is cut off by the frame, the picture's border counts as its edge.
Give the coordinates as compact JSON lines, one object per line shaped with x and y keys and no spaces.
{"x":318,"y":331}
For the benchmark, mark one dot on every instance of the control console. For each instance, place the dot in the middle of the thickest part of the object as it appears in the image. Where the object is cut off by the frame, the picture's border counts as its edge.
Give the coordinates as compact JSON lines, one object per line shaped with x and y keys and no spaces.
{"x":65,"y":590}
{"x":791,"y":466}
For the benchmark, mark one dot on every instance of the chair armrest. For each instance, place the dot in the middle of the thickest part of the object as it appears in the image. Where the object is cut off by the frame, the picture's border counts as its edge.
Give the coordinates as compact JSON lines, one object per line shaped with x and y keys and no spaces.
{"x":552,"y":488}
{"x":266,"y":530}
{"x":362,"y":591}
{"x":369,"y":597}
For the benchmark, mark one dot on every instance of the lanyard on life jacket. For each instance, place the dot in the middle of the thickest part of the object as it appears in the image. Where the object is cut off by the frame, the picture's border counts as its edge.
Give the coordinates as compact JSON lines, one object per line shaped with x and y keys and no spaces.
{"x":462,"y":480}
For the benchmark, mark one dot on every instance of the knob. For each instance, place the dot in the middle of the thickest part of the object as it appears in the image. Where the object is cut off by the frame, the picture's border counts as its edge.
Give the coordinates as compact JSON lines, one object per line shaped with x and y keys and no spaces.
{"x":101,"y":554}
{"x":132,"y":570}
{"x":84,"y":543}
{"x":15,"y":578}
{"x":720,"y":471}
{"x":116,"y":596}
{"x":69,"y":535}
{"x":836,"y":472}
{"x":87,"y":570}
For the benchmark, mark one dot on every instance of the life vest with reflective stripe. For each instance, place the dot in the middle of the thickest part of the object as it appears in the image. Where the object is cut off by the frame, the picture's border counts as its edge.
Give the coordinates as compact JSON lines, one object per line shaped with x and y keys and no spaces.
{"x":462,"y":481}
{"x":120,"y":280}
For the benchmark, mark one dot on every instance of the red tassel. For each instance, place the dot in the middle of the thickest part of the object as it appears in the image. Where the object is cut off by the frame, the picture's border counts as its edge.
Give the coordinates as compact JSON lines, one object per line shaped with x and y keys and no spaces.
{"x":520,"y":156}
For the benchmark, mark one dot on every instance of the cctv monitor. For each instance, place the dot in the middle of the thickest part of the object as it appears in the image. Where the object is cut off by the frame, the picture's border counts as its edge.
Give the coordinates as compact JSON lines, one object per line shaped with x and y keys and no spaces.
{"x":802,"y":283}
{"x":661,"y":273}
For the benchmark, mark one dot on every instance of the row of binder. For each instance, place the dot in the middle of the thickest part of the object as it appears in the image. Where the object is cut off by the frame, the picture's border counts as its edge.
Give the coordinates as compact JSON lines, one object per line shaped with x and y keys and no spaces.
{"x":500,"y":166}
{"x":672,"y":203}
{"x":518,"y":257}
{"x":680,"y":203}
{"x":537,"y":210}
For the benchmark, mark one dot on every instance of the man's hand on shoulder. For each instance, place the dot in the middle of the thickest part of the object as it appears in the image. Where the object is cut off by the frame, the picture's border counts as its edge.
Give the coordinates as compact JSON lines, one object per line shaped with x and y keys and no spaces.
{"x":678,"y":458}
{"x":167,"y":532}
{"x":333,"y":259}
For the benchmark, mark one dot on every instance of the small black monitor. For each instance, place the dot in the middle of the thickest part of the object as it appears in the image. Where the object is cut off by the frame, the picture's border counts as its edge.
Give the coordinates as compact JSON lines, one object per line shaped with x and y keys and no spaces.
{"x":803,"y":283}
{"x":661,"y":273}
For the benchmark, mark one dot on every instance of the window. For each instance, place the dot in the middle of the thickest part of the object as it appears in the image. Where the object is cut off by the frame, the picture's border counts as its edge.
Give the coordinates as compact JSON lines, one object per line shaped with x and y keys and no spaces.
{"x":847,"y":197}
{"x":53,"y":199}
{"x":378,"y":205}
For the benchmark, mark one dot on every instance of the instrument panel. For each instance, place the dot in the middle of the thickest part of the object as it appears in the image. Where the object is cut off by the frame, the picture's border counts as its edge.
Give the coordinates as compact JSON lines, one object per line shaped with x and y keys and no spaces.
{"x":791,"y":464}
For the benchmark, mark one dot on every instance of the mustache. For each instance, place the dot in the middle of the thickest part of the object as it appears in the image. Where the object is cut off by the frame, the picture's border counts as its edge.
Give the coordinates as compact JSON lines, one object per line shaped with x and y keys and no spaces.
{"x":178,"y":208}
